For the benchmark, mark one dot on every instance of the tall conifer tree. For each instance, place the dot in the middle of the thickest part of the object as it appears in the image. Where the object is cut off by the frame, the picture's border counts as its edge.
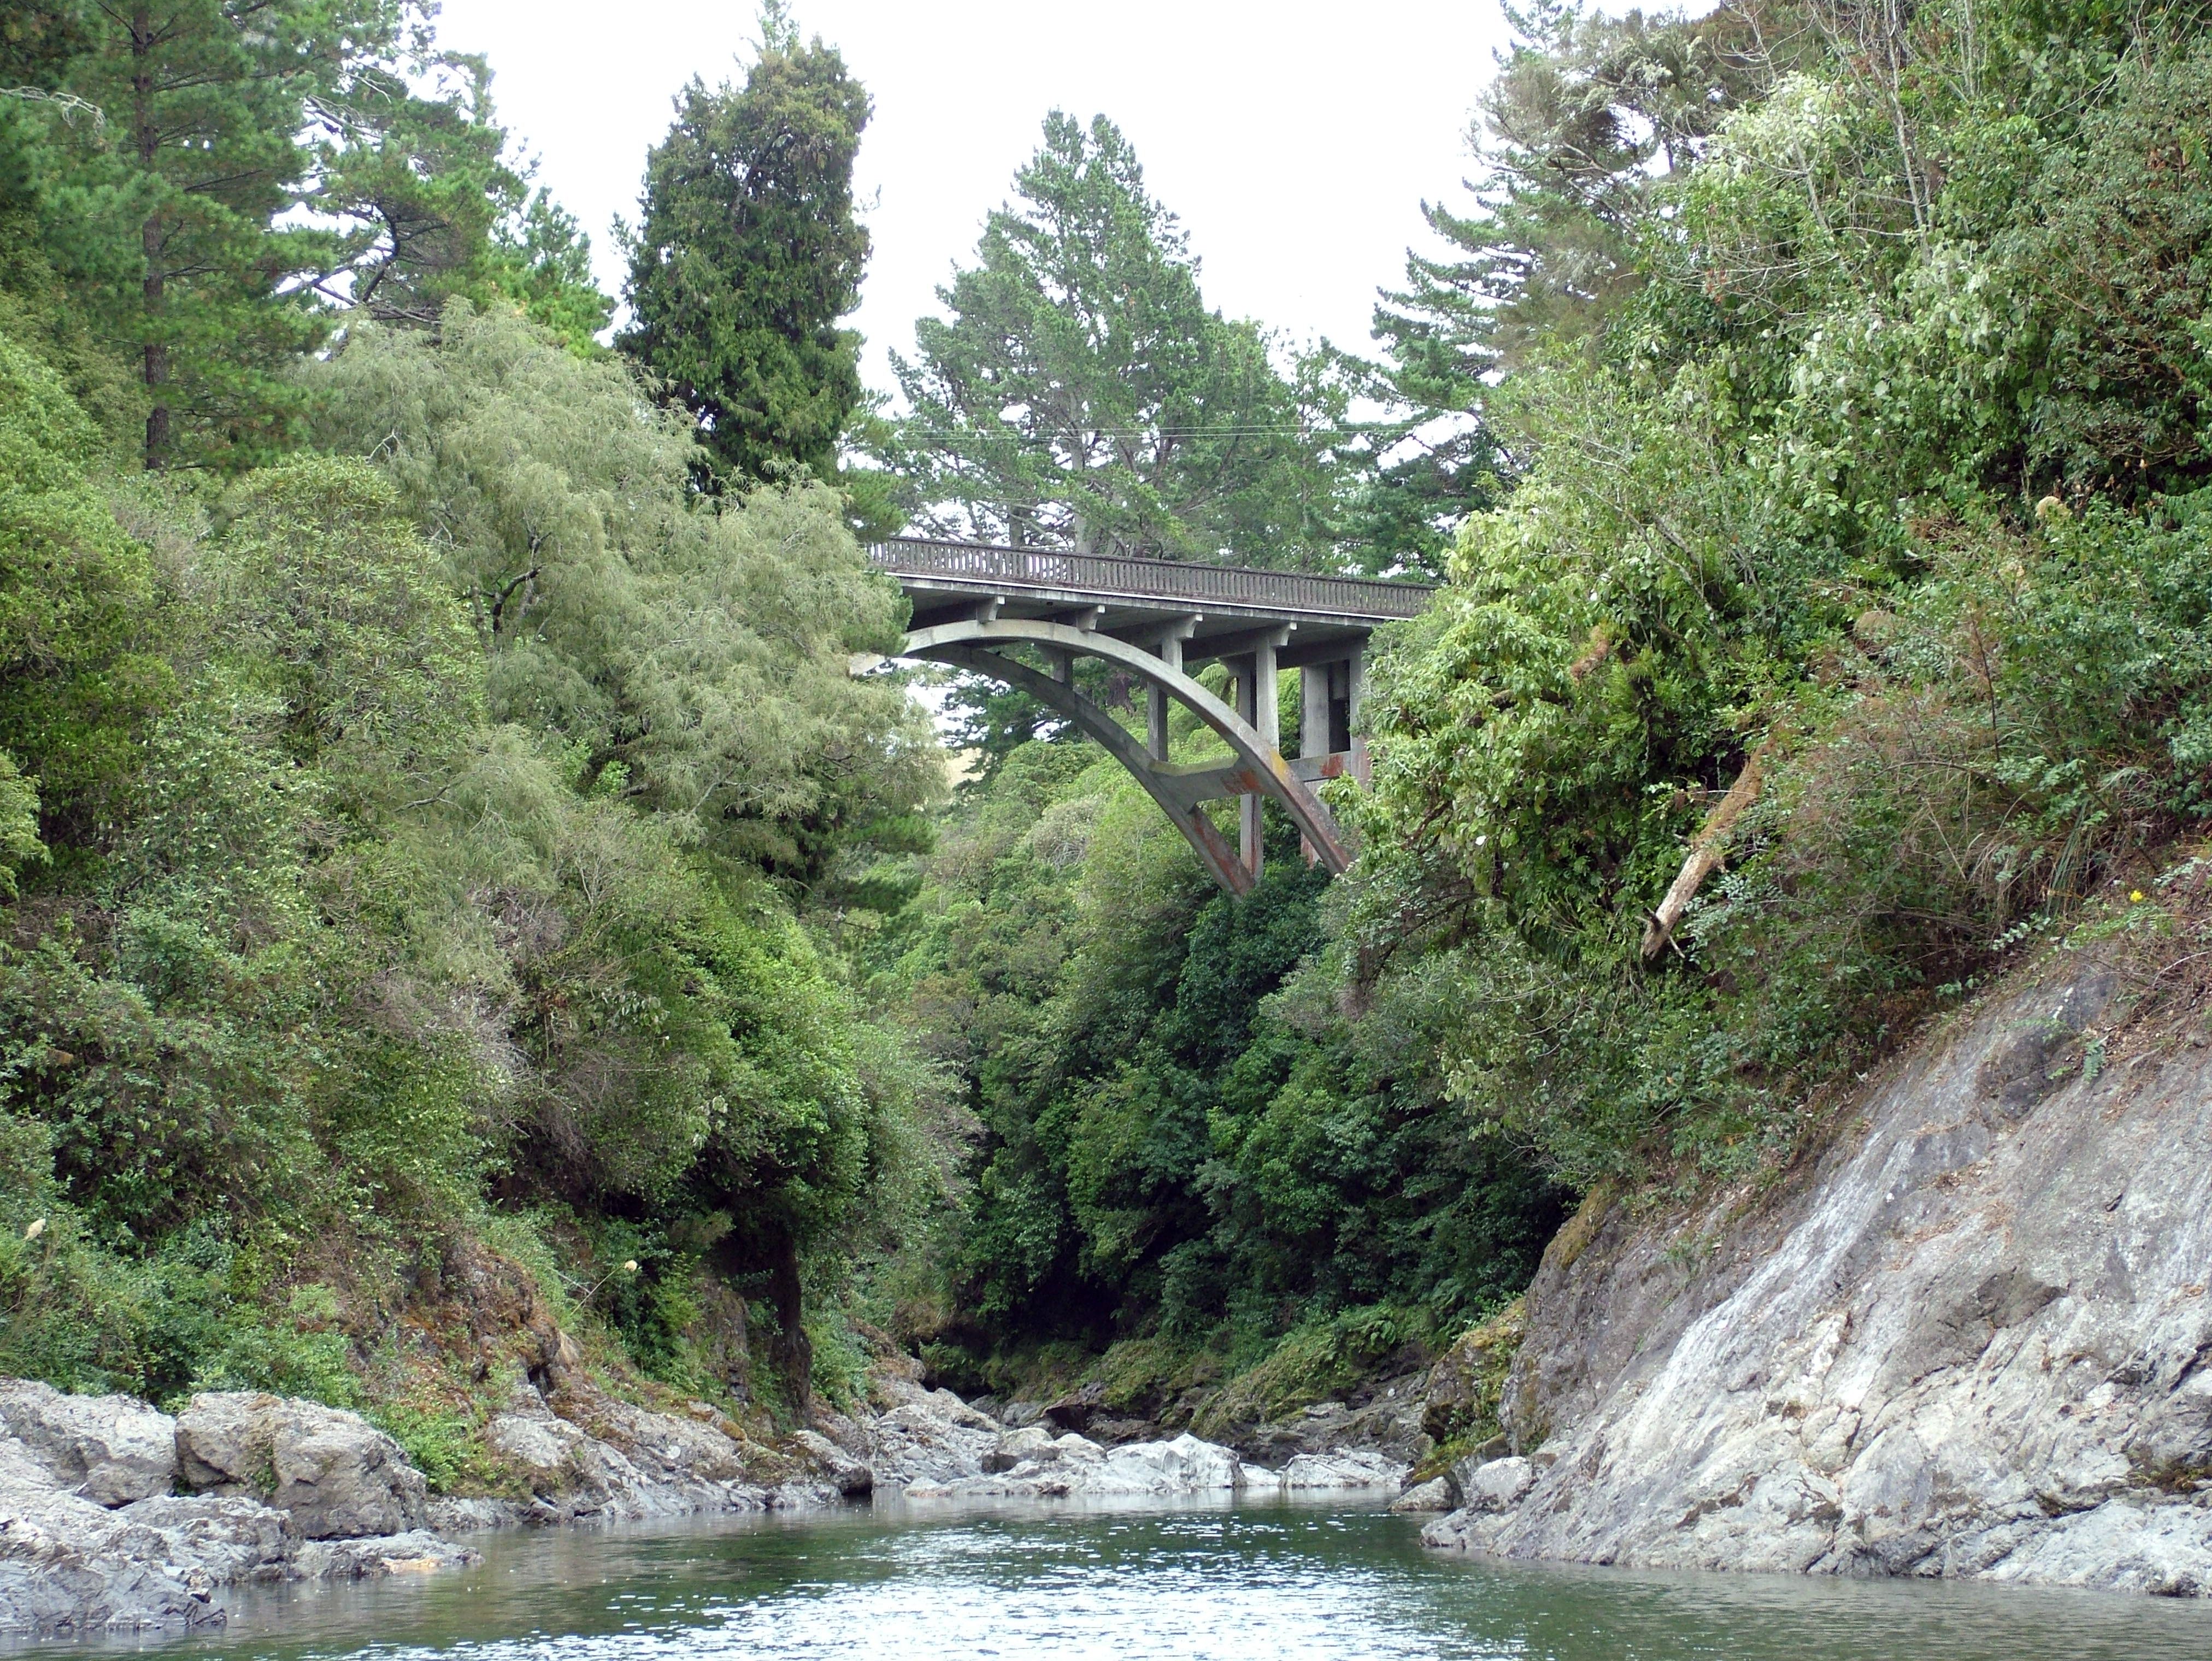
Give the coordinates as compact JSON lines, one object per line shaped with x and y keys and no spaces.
{"x":749,"y":254}
{"x":205,"y":103}
{"x":1586,"y":120}
{"x":1081,"y":392}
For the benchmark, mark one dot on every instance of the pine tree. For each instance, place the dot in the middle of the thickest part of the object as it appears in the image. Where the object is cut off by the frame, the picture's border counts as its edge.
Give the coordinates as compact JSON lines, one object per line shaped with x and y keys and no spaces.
{"x":418,"y":183}
{"x":541,"y":263}
{"x":1080,"y":391}
{"x":1586,"y":120}
{"x":433,"y":206}
{"x":749,"y":255}
{"x":198,"y":158}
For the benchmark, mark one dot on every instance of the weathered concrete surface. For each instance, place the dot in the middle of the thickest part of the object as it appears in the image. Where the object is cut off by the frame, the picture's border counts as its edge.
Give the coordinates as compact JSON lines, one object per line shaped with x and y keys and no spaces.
{"x":1970,"y":1339}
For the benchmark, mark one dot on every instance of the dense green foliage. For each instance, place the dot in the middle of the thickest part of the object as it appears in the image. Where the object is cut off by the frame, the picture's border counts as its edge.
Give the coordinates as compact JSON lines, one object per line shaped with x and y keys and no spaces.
{"x":1182,"y":1133}
{"x":1831,"y":417}
{"x":379,"y":888}
{"x":174,"y":194}
{"x":1878,"y":461}
{"x":749,"y":255}
{"x":444,"y":842}
{"x":186,"y":190}
{"x":1587,"y":122}
{"x":411,"y":844}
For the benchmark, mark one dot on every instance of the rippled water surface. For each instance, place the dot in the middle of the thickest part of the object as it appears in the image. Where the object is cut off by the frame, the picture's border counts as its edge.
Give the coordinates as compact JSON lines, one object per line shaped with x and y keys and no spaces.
{"x":1278,"y":1582}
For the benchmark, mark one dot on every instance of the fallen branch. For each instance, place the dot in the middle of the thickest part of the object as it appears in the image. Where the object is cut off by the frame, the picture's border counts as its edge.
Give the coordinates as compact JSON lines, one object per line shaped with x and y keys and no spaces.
{"x":68,"y":104}
{"x":1708,"y":850}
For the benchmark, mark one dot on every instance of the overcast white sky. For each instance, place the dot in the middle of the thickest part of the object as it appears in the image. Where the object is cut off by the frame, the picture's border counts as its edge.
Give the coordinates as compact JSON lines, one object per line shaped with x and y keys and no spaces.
{"x":1296,"y":141}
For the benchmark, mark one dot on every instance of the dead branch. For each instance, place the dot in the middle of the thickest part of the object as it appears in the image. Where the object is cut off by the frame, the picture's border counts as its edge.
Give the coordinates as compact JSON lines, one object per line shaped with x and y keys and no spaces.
{"x":1708,"y":850}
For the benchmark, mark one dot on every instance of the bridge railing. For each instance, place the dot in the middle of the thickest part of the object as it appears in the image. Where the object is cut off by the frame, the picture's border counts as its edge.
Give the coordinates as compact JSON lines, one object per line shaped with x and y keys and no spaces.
{"x":1178,"y":581}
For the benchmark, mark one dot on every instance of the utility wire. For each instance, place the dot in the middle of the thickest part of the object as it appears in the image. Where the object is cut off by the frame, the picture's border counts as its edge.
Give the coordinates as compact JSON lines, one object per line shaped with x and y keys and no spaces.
{"x":1245,"y":431}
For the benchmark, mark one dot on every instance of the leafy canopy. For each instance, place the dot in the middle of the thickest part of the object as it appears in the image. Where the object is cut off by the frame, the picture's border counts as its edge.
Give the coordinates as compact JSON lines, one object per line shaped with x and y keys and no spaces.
{"x":695,"y":651}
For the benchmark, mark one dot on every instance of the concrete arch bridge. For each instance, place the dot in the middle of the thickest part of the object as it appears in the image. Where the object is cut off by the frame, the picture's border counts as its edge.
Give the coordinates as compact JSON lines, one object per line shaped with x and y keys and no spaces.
{"x":975,"y":605}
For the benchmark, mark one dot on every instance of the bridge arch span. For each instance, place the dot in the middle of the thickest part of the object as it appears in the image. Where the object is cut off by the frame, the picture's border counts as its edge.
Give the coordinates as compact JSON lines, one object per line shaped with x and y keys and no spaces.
{"x":1257,"y":767}
{"x":978,"y":606}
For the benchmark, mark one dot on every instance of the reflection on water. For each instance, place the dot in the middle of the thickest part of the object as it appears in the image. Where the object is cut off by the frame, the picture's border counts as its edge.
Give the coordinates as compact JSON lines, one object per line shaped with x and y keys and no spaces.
{"x":1280,"y":1583}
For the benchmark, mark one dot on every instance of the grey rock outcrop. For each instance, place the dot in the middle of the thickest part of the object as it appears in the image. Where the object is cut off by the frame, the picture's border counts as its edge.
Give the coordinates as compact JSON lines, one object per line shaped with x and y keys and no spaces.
{"x":932,"y":1446}
{"x":850,"y":1476}
{"x":419,"y":1551}
{"x":1069,"y":1466}
{"x":1968,"y":1339}
{"x":1493,"y":1484}
{"x":69,"y":1566}
{"x":926,"y":1435}
{"x":1433,"y":1496}
{"x":1341,"y":1468}
{"x":110,"y":1450}
{"x":602,"y":1459}
{"x":574,"y":1475}
{"x":93,"y":1539}
{"x":335,"y":1474}
{"x":1386,"y":1421}
{"x":1031,"y":1442}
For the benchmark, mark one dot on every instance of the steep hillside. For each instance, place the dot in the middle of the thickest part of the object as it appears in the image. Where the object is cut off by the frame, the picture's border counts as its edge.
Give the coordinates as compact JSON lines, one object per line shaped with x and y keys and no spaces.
{"x":1966,"y":1336}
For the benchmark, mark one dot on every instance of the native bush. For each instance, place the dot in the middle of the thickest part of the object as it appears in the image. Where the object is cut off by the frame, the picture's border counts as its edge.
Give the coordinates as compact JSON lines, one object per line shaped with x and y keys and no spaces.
{"x":1880,"y":497}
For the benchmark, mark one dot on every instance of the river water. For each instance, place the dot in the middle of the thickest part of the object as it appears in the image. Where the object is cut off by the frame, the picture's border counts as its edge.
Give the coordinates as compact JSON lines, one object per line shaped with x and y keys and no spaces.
{"x":1269,"y":1583}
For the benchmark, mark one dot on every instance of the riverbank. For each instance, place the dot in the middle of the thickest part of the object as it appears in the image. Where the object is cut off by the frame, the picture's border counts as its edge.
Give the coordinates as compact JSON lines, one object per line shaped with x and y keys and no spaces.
{"x":1965,"y":1338}
{"x":1323,"y":1579}
{"x":116,"y":1516}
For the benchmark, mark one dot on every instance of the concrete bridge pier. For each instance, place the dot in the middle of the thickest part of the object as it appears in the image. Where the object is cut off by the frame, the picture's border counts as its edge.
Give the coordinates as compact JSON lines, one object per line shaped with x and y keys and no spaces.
{"x":1328,"y":718}
{"x":1256,"y":701}
{"x":1166,"y":642}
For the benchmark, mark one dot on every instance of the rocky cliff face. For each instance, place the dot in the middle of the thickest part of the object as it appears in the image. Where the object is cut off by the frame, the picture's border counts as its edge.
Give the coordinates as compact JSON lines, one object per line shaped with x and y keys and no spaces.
{"x":1971,"y":1337}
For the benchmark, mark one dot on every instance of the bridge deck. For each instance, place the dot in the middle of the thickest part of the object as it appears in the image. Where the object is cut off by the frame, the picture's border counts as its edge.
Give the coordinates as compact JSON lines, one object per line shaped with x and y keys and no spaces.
{"x":1133,"y":597}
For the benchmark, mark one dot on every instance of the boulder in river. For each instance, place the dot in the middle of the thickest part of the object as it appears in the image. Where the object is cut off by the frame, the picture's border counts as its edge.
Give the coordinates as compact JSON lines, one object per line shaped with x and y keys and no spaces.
{"x":1343,"y":1467}
{"x":110,"y":1450}
{"x":1494,"y":1484}
{"x":336,"y":1474}
{"x":1433,"y":1496}
{"x":848,"y":1475}
{"x":1075,"y":1410}
{"x":1031,"y":1442}
{"x":71,"y":1568}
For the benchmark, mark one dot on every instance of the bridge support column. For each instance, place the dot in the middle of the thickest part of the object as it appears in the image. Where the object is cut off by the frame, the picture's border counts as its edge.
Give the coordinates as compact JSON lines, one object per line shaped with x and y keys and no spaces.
{"x":1355,"y":693}
{"x":1313,"y":709}
{"x":1256,"y":703}
{"x":1167,"y":647}
{"x":1314,"y":735}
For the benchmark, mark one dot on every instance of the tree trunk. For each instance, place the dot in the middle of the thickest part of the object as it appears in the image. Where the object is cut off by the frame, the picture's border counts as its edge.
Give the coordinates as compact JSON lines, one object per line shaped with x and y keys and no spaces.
{"x":1707,"y":850}
{"x":148,"y":136}
{"x":794,"y":1353}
